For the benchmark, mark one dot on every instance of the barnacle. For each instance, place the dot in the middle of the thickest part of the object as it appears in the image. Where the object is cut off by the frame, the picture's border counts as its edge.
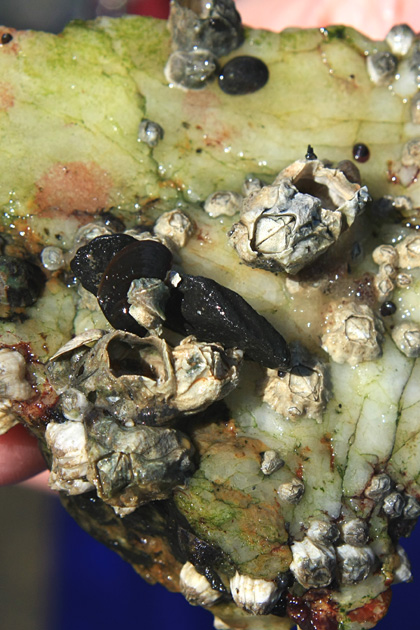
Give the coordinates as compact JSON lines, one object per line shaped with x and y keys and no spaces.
{"x":161,"y":374}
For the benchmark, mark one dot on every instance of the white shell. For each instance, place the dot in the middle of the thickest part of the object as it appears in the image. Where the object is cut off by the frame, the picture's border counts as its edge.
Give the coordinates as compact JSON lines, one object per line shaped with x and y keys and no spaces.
{"x":253,"y":595}
{"x":322,"y":531}
{"x":13,"y":384}
{"x":393,"y":504}
{"x":355,"y":563}
{"x":406,"y":337}
{"x":223,"y":202}
{"x":52,"y":258}
{"x":150,"y":132}
{"x":271,"y":461}
{"x":67,"y":442}
{"x":400,"y":39}
{"x":195,"y":587}
{"x":355,"y":532}
{"x":291,"y":491}
{"x":412,"y":508}
{"x":382,"y":67}
{"x":378,"y":487}
{"x":409,"y":252}
{"x":313,"y":564}
{"x":175,"y":226}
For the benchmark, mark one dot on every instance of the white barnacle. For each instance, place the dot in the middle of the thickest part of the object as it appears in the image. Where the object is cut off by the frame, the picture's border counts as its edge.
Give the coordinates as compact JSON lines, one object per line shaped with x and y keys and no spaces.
{"x":67,"y":442}
{"x":355,"y":563}
{"x":352,"y":333}
{"x":223,"y":202}
{"x":393,"y":504}
{"x":254,"y":595}
{"x":150,"y":132}
{"x":411,"y":508}
{"x":385,"y":254}
{"x":13,"y":383}
{"x":403,"y":572}
{"x":174,"y":226}
{"x":271,"y":461}
{"x":302,"y":390}
{"x":409,"y":252}
{"x":195,"y":587}
{"x":52,"y":258}
{"x":289,"y":224}
{"x":382,"y":67}
{"x":322,"y":531}
{"x":378,"y":487}
{"x":400,"y":39}
{"x":73,"y":404}
{"x":190,"y":70}
{"x":406,"y":337}
{"x":147,"y":298}
{"x":204,"y":373}
{"x":291,"y":491}
{"x":355,"y":532}
{"x":313,"y":563}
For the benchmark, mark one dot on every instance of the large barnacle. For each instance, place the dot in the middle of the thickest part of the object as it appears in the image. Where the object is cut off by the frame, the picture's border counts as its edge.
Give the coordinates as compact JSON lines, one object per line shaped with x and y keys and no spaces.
{"x":302,"y":214}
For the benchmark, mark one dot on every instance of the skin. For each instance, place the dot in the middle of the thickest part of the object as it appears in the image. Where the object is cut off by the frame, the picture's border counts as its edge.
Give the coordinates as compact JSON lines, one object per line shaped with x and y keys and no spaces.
{"x":20,"y":458}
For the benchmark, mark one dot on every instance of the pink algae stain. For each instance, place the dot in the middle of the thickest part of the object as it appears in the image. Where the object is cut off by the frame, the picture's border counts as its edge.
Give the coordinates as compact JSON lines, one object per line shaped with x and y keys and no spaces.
{"x":73,"y":187}
{"x":7,"y":98}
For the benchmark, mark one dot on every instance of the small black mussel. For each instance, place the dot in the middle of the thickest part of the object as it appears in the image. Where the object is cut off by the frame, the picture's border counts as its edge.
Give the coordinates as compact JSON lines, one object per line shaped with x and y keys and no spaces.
{"x":243,"y":75}
{"x":21,"y":283}
{"x":361,"y":152}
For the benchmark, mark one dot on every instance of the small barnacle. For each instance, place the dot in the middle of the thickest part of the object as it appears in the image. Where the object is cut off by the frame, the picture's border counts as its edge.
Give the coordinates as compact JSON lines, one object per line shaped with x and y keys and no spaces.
{"x":385,"y":254}
{"x":147,"y":298}
{"x":403,"y":280}
{"x":213,"y":25}
{"x":302,"y":391}
{"x":393,"y":504}
{"x":150,"y":132}
{"x":406,"y":337}
{"x":74,"y":404}
{"x":223,"y":202}
{"x":271,"y":461}
{"x":251,"y":184}
{"x":381,"y":67}
{"x":67,"y":442}
{"x":354,"y":563}
{"x":174,"y":226}
{"x":204,"y":373}
{"x":292,"y":222}
{"x":322,"y":531}
{"x":353,"y":333}
{"x":52,"y":258}
{"x":411,"y":508}
{"x":291,"y":491}
{"x":409,"y":252}
{"x":13,"y":383}
{"x":378,"y":487}
{"x":355,"y":532}
{"x":196,"y":588}
{"x":256,"y":596}
{"x":313,"y":564}
{"x":403,"y":572}
{"x":190,"y":70}
{"x":400,"y":39}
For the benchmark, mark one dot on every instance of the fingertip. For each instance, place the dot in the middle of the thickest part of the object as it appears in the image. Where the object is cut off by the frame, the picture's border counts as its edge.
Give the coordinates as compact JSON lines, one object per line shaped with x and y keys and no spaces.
{"x":20,"y":457}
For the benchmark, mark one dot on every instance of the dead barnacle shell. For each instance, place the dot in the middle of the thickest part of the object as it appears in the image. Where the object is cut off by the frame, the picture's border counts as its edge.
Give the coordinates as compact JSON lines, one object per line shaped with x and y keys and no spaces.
{"x":353,"y":333}
{"x":204,"y":372}
{"x":147,"y":298}
{"x":409,"y":252}
{"x":406,"y":337}
{"x":393,"y":504}
{"x":52,"y":258}
{"x":355,"y":532}
{"x":255,"y":596}
{"x":355,"y":563}
{"x":313,"y":564}
{"x":291,"y":491}
{"x":174,"y":226}
{"x":302,"y":391}
{"x":223,"y":202}
{"x":287,"y":225}
{"x":411,"y":508}
{"x":67,"y":442}
{"x":13,"y":383}
{"x":382,"y":67}
{"x":196,"y":588}
{"x":403,"y":571}
{"x":131,"y":466}
{"x":271,"y":461}
{"x":214,"y":25}
{"x":378,"y":487}
{"x":400,"y":39}
{"x":322,"y":531}
{"x":150,"y":132}
{"x":190,"y":70}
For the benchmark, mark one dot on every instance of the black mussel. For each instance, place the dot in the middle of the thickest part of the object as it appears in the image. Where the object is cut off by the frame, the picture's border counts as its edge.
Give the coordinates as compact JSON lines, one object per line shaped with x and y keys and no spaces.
{"x":203,"y":556}
{"x":204,"y":308}
{"x":243,"y":75}
{"x":361,"y":152}
{"x":140,"y":259}
{"x":91,"y":260}
{"x":21,"y":283}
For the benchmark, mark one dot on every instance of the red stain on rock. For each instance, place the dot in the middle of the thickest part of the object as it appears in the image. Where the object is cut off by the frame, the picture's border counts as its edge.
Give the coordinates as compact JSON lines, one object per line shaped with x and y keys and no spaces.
{"x":373,"y":611}
{"x":7,"y":99}
{"x":73,"y":187}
